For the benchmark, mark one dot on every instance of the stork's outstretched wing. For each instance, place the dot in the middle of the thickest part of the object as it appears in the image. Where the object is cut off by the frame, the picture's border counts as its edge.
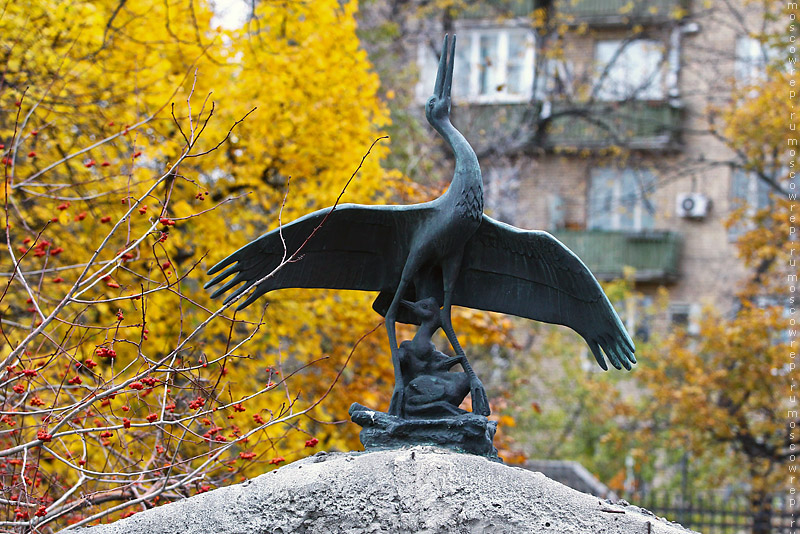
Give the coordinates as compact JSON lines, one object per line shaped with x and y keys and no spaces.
{"x":357,"y":247}
{"x":531,"y":274}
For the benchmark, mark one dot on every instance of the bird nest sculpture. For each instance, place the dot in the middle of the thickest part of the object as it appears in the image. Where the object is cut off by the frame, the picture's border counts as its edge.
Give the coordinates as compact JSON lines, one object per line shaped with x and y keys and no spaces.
{"x":422,"y":259}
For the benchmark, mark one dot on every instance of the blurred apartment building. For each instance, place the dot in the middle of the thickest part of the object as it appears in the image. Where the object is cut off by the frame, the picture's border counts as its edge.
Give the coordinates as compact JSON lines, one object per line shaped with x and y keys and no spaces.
{"x":595,"y":120}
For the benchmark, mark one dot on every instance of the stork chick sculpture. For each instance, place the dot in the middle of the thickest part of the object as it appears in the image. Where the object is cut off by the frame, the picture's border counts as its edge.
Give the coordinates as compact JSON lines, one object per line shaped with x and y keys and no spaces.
{"x":447,"y":249}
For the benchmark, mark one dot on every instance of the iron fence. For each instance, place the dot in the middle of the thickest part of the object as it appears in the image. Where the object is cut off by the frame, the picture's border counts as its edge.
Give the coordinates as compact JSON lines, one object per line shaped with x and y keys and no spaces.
{"x":721,"y":512}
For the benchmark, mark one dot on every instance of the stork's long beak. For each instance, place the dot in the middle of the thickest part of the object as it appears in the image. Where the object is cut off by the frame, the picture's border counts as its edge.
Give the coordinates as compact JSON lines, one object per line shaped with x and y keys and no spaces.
{"x":448,"y":81}
{"x":407,"y":303}
{"x":444,"y":76}
{"x":440,"y":74}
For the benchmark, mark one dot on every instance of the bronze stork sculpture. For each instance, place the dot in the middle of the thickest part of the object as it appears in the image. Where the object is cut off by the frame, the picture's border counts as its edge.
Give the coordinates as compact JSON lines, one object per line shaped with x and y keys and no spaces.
{"x":446,"y":249}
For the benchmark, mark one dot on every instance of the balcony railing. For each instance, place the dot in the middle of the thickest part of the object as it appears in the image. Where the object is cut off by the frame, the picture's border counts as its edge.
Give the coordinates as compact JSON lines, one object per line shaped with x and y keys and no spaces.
{"x":653,"y":255}
{"x":491,"y":9}
{"x":620,"y":11}
{"x":634,"y":124}
{"x":579,"y":11}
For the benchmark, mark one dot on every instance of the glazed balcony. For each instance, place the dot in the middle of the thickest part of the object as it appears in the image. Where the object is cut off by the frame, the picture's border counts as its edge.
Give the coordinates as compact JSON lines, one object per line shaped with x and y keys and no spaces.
{"x":654,"y":254}
{"x":633,"y":124}
{"x":597,"y":12}
{"x":614,"y":12}
{"x":636,"y":125}
{"x":491,"y":9}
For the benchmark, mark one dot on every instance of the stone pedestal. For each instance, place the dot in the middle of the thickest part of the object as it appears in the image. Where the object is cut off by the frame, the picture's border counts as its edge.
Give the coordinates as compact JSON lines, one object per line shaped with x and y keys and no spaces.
{"x":470,"y":433}
{"x":417,"y":489}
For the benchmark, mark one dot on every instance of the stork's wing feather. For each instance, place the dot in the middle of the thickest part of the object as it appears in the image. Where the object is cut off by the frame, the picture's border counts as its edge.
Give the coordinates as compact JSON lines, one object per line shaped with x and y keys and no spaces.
{"x":357,"y":247}
{"x":531,"y":274}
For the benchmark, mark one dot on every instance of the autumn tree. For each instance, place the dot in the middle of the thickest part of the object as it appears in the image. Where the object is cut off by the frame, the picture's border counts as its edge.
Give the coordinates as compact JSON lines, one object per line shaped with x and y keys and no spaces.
{"x":140,"y":146}
{"x":718,"y":397}
{"x":727,"y":392}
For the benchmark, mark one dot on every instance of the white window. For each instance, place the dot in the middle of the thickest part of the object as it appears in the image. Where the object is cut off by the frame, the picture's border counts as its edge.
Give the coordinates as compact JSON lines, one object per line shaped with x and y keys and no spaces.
{"x":748,"y":189}
{"x":751,"y":60}
{"x":620,"y":199}
{"x":630,"y":70}
{"x":492,"y":65}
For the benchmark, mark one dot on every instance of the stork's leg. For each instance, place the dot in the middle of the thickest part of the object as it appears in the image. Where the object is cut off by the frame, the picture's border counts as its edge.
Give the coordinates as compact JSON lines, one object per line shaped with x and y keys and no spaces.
{"x":396,"y":404}
{"x":480,"y":402}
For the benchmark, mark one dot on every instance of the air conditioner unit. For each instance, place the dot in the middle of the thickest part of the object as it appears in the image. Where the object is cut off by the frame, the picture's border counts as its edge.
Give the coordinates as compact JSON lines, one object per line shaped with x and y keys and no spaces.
{"x":692,"y":205}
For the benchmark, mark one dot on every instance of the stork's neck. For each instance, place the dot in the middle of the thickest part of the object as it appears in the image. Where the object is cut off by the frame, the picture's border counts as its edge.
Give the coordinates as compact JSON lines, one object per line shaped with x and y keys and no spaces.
{"x":466,"y":189}
{"x":467,"y":170}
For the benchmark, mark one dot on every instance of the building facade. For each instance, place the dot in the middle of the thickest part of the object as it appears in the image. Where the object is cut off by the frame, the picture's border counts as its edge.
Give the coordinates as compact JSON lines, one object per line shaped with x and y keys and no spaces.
{"x":595,"y":120}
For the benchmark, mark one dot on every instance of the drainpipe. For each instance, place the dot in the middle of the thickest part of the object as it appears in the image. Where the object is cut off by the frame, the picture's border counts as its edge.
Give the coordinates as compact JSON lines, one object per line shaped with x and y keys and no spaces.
{"x":674,"y":60}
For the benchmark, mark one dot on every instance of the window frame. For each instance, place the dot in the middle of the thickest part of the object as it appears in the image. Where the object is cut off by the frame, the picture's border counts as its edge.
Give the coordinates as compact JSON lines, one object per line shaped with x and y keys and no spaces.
{"x":653,"y":86}
{"x":471,"y":37}
{"x":692,"y":312}
{"x":758,"y":196}
{"x":751,"y":58}
{"x":616,"y":176}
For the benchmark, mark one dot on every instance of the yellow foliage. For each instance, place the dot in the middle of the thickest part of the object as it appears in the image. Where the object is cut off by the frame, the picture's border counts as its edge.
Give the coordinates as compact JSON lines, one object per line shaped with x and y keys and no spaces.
{"x":113,"y":222}
{"x":724,"y":389}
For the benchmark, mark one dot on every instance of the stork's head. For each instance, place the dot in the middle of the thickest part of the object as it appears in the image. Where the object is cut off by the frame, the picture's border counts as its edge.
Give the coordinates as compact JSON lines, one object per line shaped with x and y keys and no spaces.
{"x":438,"y":106}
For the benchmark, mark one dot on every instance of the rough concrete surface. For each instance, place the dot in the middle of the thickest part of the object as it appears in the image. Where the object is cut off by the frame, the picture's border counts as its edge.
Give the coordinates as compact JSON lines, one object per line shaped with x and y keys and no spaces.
{"x":416,"y":490}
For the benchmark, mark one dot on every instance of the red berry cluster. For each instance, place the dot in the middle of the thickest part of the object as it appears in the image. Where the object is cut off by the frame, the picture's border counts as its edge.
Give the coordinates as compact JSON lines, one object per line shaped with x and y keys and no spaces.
{"x":212,"y":432}
{"x":198,"y":403}
{"x":105,"y":352}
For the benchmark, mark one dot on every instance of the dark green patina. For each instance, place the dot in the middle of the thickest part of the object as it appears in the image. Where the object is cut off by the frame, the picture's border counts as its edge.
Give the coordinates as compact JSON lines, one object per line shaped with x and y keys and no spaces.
{"x":447,"y":250}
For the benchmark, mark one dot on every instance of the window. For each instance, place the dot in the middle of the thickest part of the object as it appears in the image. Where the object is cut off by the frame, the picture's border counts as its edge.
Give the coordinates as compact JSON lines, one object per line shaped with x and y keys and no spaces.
{"x":685,"y":316}
{"x":630,"y":70}
{"x":492,"y":65}
{"x":636,"y":312}
{"x":755,"y":194}
{"x":619,"y":199}
{"x":746,"y":188}
{"x":639,"y":318}
{"x":751,"y":61}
